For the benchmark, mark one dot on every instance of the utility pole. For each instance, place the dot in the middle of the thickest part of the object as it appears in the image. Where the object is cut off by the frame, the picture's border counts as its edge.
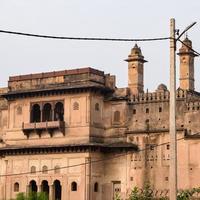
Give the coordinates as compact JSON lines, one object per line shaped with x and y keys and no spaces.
{"x":172,"y":116}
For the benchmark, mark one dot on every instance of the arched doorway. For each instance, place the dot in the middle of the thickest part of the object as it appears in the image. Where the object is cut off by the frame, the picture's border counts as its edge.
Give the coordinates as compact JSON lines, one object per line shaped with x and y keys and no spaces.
{"x":33,"y":186}
{"x":57,"y":190}
{"x":45,"y":187}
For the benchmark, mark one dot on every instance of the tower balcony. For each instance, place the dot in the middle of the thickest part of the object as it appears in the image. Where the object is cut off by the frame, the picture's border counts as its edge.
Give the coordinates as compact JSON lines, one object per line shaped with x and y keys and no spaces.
{"x":39,"y":127}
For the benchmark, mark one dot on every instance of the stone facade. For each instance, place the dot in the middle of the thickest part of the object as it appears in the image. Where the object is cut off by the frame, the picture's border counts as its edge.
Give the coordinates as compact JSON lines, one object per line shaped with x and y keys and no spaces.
{"x":75,"y":135}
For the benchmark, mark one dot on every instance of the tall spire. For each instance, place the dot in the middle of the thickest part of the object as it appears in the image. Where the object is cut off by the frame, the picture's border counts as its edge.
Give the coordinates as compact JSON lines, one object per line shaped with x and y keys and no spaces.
{"x":135,"y":70}
{"x":186,"y":65}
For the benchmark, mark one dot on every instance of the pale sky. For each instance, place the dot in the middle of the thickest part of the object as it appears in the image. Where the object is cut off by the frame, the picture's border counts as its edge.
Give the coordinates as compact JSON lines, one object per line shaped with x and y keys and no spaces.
{"x":93,"y":18}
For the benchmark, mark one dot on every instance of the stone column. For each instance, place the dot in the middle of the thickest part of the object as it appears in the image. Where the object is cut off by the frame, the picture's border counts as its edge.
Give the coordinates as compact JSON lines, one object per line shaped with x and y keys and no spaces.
{"x":39,"y":188}
{"x":51,"y":192}
{"x":27,"y":189}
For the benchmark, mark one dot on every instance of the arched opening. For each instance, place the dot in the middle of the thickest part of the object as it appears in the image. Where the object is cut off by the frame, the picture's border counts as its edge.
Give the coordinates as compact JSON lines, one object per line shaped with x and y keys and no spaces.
{"x":35,"y":113}
{"x":44,"y":169}
{"x":45,"y":187}
{"x":147,"y":124}
{"x":57,"y":190}
{"x":73,"y":186}
{"x":59,"y":112}
{"x":47,"y":112}
{"x":96,"y":187}
{"x":57,"y":169}
{"x":33,"y":169}
{"x":33,"y":186}
{"x":97,"y":108}
{"x":116,"y":116}
{"x":16,"y":187}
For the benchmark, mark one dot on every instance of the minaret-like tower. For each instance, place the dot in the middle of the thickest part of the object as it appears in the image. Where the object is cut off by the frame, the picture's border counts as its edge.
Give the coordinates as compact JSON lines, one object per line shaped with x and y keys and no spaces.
{"x":186,"y":65}
{"x":136,"y":70}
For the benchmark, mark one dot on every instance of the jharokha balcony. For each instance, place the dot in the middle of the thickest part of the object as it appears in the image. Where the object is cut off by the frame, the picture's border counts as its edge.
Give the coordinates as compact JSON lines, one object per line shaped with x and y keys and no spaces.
{"x":39,"y":127}
{"x":45,"y":116}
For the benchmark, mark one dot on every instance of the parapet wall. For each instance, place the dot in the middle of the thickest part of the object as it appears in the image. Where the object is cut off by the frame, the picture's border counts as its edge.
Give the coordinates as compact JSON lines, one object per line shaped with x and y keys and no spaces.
{"x":156,"y":96}
{"x":50,"y":79}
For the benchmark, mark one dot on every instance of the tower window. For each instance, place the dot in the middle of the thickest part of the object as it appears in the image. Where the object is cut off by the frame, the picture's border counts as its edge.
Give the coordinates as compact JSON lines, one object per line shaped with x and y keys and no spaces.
{"x":97,"y":107}
{"x":168,"y":146}
{"x":147,"y":110}
{"x":134,"y":111}
{"x":116,"y":116}
{"x":160,"y":109}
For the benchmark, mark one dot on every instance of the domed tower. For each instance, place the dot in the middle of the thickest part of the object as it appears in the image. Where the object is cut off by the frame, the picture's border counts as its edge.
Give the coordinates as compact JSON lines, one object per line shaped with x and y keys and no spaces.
{"x":186,"y":65}
{"x":136,"y":70}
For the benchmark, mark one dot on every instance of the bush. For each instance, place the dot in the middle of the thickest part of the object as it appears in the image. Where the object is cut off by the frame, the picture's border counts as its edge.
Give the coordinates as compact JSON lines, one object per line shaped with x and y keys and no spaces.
{"x":32,"y":196}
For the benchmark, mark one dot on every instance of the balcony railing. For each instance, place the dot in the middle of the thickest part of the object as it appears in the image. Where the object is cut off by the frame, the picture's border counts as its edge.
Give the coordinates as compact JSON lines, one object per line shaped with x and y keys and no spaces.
{"x":39,"y":127}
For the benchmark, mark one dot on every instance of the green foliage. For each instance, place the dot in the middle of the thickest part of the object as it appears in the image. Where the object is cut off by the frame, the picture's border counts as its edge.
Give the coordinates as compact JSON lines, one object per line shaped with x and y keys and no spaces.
{"x":187,"y":194}
{"x":32,"y":196}
{"x":117,"y":196}
{"x":135,"y":194}
{"x":21,"y":196}
{"x":147,"y":194}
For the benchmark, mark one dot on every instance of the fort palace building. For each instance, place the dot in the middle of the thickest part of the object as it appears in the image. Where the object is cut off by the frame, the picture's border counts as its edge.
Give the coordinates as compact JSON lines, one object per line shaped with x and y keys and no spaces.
{"x":76,"y":136}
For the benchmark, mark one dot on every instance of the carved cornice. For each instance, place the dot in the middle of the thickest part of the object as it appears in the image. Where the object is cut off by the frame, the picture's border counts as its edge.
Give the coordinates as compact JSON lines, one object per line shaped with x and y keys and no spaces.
{"x":70,"y":148}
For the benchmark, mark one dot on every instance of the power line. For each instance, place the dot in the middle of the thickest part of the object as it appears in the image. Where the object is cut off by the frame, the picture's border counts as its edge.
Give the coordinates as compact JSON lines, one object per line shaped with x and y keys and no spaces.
{"x":85,"y":38}
{"x":93,"y":161}
{"x":188,"y":47}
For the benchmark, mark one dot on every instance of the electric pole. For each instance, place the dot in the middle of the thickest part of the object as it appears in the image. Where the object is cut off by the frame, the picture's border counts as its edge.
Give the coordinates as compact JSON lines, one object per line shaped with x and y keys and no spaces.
{"x":172,"y":115}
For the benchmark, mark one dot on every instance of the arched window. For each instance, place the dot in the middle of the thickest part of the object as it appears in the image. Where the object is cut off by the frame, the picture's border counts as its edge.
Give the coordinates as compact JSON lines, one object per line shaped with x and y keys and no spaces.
{"x":73,"y":186}
{"x":96,"y":187}
{"x":33,"y":169}
{"x":16,"y":187}
{"x":134,"y":111}
{"x":75,"y":106}
{"x":47,"y":112}
{"x":57,"y":169}
{"x":59,"y":112}
{"x":35,"y":113}
{"x":44,"y":169}
{"x":160,"y":109}
{"x":147,"y":110}
{"x":97,"y":108}
{"x":116,"y":116}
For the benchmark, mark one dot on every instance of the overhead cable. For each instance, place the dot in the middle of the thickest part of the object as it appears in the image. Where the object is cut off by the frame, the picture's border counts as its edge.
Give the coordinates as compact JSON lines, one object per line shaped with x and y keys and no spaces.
{"x":85,"y":38}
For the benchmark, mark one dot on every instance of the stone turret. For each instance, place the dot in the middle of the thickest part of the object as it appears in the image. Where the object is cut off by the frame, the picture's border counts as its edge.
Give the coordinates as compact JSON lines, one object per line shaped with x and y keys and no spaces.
{"x":186,"y":65}
{"x":136,"y":70}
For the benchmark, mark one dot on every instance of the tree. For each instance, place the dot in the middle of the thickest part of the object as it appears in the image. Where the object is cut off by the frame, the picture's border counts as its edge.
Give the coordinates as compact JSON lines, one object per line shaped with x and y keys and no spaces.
{"x":32,"y":196}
